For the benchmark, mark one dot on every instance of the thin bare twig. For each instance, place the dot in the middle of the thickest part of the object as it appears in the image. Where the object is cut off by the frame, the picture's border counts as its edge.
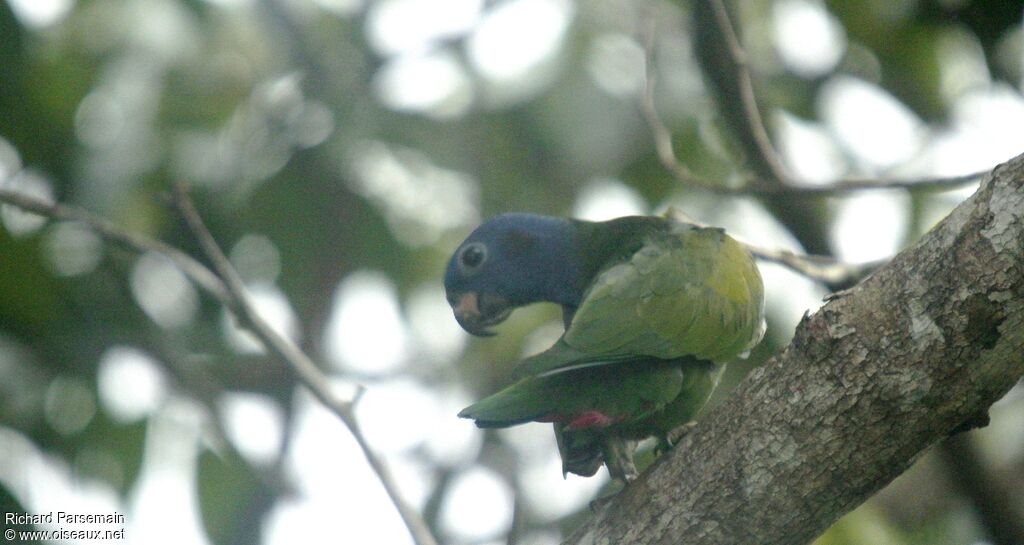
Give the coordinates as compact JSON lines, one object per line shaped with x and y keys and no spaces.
{"x":227,"y":287}
{"x":662,"y":136}
{"x":745,"y":87}
{"x":825,"y":269}
{"x":195,"y":270}
{"x":919,"y":183}
{"x":303,"y":367}
{"x":758,"y":186}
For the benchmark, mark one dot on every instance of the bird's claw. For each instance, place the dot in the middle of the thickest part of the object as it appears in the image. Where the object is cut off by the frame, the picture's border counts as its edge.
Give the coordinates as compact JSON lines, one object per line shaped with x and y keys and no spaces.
{"x":673,"y":437}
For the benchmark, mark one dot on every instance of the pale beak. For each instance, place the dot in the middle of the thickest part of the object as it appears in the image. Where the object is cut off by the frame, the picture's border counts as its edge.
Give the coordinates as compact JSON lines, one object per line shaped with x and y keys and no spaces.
{"x":475,"y":313}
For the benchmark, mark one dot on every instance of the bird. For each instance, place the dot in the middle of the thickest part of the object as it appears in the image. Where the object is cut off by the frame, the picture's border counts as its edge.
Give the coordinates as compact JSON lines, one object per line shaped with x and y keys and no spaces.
{"x":652,"y":309}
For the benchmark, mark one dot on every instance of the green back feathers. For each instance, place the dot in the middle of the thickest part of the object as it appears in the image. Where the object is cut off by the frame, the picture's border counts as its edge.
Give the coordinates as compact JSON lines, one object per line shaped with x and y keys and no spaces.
{"x":684,"y":291}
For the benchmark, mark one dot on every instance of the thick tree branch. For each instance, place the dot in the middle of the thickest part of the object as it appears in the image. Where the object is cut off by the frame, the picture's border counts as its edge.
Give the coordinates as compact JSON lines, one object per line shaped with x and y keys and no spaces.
{"x":921,"y":347}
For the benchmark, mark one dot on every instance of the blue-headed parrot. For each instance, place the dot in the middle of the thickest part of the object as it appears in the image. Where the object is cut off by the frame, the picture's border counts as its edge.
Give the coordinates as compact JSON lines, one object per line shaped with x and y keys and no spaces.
{"x":652,"y":309}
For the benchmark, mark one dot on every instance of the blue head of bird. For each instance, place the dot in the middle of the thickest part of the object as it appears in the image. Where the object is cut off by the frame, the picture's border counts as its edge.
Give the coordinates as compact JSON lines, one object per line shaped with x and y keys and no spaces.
{"x":509,"y":261}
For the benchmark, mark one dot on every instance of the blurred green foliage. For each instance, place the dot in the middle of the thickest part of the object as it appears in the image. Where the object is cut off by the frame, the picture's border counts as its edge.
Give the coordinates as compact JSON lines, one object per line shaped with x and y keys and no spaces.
{"x":266,"y":108}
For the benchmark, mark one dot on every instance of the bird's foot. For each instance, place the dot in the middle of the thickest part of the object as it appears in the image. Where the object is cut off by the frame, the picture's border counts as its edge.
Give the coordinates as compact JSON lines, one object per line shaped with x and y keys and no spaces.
{"x":673,"y":437}
{"x":618,"y":457}
{"x":625,"y":472}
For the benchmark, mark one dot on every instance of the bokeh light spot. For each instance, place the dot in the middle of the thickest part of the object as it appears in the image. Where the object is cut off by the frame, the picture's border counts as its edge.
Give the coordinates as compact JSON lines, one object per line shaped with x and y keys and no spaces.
{"x":254,"y":423}
{"x":438,"y":336}
{"x":809,"y":39}
{"x":69,"y":405}
{"x":516,"y":36}
{"x":434,"y":83}
{"x":478,"y":505}
{"x":256,"y":258}
{"x":130,"y":382}
{"x":420,"y":199}
{"x":10,"y":160}
{"x":272,"y":305}
{"x":397,"y":415}
{"x":870,"y":225}
{"x":570,"y":495}
{"x":808,"y":149}
{"x":366,"y":332}
{"x":879,"y":130}
{"x":605,"y":198}
{"x":404,"y":26}
{"x":41,"y":13}
{"x":616,"y":62}
{"x":73,"y":249}
{"x":162,"y":291}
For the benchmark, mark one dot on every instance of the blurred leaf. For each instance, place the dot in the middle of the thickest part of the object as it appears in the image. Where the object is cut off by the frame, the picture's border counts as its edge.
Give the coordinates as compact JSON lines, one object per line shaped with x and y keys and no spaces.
{"x":232,"y":501}
{"x":28,"y":298}
{"x":118,"y":443}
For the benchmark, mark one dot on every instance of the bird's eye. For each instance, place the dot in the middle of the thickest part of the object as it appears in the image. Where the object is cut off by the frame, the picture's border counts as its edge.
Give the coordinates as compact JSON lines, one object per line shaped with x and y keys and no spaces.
{"x":473,"y":255}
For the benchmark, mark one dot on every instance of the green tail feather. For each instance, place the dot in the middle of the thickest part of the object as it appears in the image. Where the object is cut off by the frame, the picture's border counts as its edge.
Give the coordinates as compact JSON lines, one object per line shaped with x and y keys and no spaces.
{"x":524,"y":401}
{"x":631,"y":391}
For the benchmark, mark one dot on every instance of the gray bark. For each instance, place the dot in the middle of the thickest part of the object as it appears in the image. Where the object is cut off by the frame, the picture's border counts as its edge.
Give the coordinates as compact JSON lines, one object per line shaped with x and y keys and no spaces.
{"x":879,"y":374}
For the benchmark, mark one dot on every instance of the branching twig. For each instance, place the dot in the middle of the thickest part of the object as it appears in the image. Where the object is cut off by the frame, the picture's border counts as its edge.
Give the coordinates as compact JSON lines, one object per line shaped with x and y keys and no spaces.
{"x":304,"y":368}
{"x":662,"y":137}
{"x":227,"y":287}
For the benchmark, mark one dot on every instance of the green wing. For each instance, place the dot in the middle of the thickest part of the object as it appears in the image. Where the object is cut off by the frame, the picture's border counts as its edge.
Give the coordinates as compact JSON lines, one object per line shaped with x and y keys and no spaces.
{"x":688,"y":291}
{"x":617,"y":391}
